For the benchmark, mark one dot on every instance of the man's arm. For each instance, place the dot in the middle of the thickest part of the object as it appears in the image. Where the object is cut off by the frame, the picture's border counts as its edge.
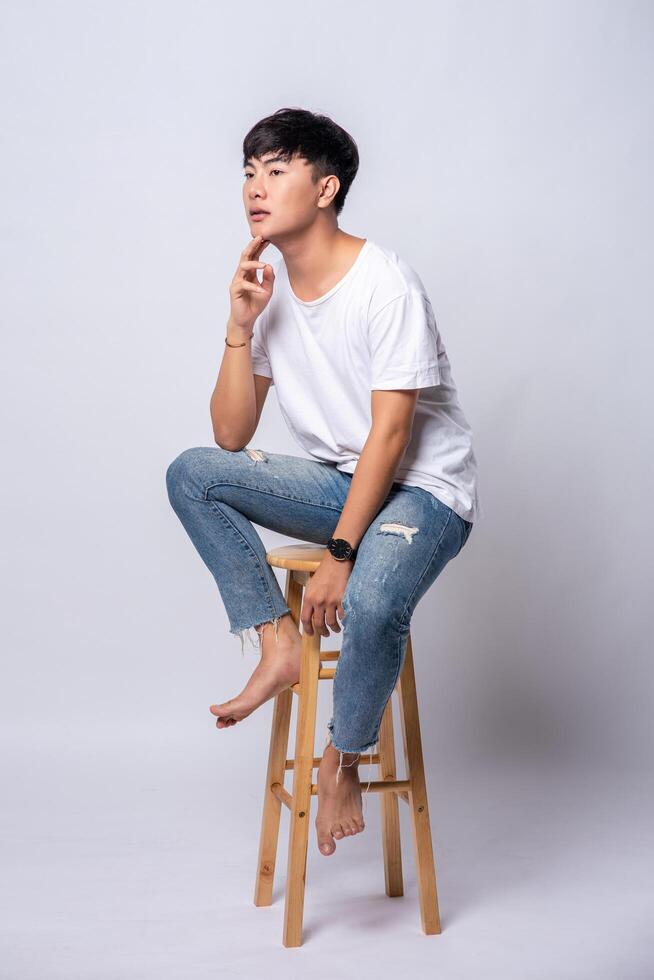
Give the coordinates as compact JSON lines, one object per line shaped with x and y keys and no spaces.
{"x":390,"y":434}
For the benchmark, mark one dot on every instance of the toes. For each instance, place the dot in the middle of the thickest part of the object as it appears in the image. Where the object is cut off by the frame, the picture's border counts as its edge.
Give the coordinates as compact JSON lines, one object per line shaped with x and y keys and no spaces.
{"x":223,"y":709}
{"x":337,"y":831}
{"x":224,"y":713}
{"x":326,"y":843}
{"x":348,"y":828}
{"x":225,"y":722}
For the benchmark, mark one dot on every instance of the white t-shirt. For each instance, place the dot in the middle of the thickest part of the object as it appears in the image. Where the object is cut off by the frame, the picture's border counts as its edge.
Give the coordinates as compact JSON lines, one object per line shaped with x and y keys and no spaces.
{"x":374,"y":329}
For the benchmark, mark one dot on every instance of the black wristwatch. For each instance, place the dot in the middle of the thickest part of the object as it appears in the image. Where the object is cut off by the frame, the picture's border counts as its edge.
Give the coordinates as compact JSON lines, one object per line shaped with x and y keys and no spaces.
{"x":341,"y":549}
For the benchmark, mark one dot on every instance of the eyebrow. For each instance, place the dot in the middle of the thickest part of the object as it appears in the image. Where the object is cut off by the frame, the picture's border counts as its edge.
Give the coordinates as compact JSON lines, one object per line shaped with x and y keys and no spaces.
{"x":266,"y":162}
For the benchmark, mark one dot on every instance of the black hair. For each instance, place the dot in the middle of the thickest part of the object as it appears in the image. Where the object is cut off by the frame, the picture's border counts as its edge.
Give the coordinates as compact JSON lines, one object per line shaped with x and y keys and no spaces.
{"x":316,"y":138}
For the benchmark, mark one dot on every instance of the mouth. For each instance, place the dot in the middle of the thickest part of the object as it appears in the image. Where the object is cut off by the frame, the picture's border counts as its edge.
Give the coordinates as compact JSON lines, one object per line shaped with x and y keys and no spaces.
{"x":259,"y":215}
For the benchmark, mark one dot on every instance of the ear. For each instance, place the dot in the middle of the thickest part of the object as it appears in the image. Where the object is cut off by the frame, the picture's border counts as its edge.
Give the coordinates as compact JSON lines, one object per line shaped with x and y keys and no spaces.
{"x":330,"y":189}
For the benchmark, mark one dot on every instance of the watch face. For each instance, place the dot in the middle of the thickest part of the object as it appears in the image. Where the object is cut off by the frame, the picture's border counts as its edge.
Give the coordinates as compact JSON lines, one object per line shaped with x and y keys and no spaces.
{"x":340,"y":548}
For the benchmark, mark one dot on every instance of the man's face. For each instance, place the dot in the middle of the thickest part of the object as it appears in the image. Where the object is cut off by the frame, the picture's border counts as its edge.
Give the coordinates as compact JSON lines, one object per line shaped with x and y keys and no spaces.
{"x":284,"y":190}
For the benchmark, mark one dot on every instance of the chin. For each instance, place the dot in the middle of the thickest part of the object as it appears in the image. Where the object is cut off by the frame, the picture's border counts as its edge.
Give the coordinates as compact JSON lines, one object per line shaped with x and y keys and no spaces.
{"x":270,"y":236}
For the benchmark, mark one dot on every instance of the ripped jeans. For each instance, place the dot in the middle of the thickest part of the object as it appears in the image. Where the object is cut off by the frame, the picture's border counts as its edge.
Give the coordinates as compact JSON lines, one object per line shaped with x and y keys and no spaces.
{"x":217,"y":495}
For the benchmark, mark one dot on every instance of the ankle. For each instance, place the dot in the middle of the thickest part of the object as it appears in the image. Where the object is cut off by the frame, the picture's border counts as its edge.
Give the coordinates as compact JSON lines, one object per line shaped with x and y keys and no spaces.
{"x":335,"y":757}
{"x":287,"y":630}
{"x":283,"y":627}
{"x":278,"y":636}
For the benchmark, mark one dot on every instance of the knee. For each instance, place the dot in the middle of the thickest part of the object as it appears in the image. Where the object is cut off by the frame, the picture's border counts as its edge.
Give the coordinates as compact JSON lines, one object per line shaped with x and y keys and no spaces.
{"x":373,"y":612}
{"x":182,"y":473}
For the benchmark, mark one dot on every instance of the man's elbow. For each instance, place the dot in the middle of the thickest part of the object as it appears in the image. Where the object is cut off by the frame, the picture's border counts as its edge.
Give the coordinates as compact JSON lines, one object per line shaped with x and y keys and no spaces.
{"x":395,"y":436}
{"x":229,"y":445}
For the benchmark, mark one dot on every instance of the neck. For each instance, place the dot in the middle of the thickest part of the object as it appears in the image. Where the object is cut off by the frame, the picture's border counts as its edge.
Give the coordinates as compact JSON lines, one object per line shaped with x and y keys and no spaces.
{"x":318,"y":258}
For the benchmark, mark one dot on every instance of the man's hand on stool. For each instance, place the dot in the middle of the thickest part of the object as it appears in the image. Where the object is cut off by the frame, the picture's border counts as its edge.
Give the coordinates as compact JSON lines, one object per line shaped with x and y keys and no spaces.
{"x":323,"y":595}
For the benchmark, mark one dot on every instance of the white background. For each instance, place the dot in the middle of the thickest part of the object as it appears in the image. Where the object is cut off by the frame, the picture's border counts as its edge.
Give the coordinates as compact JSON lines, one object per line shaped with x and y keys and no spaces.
{"x":506,"y":153}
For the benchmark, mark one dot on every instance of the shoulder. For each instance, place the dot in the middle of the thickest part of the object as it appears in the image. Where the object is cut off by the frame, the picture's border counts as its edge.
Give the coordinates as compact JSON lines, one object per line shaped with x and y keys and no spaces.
{"x":390,"y":277}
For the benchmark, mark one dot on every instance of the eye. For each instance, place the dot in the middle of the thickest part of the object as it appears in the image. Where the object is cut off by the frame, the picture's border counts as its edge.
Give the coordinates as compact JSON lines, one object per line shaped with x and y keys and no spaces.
{"x":274,"y":171}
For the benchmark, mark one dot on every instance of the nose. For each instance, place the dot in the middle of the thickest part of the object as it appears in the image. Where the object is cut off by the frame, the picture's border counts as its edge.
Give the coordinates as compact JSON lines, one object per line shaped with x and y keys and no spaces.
{"x":252,"y":187}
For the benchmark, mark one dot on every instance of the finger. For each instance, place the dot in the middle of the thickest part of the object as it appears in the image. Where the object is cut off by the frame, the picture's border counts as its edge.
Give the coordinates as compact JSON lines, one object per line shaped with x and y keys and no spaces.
{"x":253,"y":248}
{"x":330,"y":619}
{"x":251,"y":251}
{"x":248,"y":264}
{"x":259,"y":249}
{"x":305,"y":619}
{"x":332,"y":622}
{"x":319,"y":622}
{"x":254,"y":242}
{"x":252,"y":256}
{"x":243,"y":284}
{"x":248,"y":269}
{"x":268,"y":277}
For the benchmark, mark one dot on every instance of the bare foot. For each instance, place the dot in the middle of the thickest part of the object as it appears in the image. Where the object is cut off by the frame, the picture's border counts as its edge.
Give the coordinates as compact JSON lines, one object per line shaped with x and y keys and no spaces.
{"x":339,"y":804}
{"x":278,"y":668}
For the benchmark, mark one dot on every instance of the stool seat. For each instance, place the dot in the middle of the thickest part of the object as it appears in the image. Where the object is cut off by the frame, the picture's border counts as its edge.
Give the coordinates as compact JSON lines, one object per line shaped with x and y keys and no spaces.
{"x":297,"y":557}
{"x":300,"y":561}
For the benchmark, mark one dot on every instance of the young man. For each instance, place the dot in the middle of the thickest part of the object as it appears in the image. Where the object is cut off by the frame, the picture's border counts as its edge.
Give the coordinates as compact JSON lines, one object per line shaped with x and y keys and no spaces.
{"x":345,"y":331}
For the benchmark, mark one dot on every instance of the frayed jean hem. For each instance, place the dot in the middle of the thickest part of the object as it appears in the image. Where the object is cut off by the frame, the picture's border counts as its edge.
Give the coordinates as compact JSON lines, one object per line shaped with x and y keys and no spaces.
{"x":244,"y":631}
{"x":343,"y":752}
{"x":341,"y":748}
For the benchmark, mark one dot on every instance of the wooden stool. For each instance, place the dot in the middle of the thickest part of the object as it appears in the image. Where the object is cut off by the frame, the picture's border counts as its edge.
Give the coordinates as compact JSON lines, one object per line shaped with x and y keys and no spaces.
{"x":301,"y":561}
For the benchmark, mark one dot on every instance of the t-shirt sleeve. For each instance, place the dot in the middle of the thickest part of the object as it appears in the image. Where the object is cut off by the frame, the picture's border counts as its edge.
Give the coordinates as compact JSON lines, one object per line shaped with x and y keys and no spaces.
{"x":260,"y":361}
{"x":403,"y":341}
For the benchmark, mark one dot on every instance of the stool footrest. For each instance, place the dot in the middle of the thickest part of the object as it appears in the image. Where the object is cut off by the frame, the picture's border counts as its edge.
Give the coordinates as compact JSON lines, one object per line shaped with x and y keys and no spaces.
{"x":324,"y":674}
{"x":379,"y":786}
{"x":365,"y":760}
{"x":399,"y":786}
{"x":282,"y":795}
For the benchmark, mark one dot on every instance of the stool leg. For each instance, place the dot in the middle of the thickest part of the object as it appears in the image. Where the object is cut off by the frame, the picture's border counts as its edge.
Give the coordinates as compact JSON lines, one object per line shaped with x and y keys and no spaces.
{"x":302,"y":778}
{"x":272,"y":806}
{"x":390,"y":811}
{"x":418,"y":804}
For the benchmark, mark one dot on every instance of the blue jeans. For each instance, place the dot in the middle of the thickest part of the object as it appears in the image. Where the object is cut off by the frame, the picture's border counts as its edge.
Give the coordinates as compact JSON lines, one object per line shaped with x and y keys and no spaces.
{"x":217,"y":495}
